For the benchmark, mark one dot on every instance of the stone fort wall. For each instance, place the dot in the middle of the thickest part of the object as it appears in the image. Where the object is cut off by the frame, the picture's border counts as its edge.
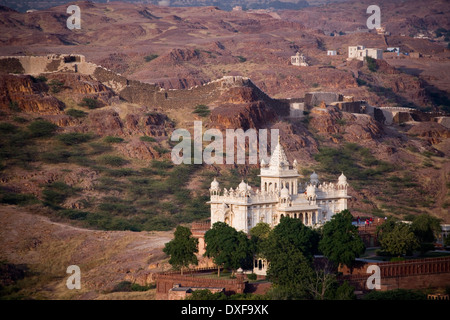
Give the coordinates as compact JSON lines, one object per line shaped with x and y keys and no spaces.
{"x":408,"y":274}
{"x":166,"y":281}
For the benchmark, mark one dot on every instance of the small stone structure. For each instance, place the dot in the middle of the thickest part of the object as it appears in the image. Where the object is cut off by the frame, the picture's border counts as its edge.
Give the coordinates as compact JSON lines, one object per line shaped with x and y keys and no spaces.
{"x":299,"y":60}
{"x":359,"y":52}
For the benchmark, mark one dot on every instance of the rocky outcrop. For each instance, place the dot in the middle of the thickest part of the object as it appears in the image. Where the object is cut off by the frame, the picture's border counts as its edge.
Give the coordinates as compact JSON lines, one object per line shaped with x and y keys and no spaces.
{"x":253,"y":115}
{"x":177,"y":56}
{"x":24,"y":93}
{"x":137,"y":149}
{"x":108,"y":122}
{"x":239,"y":95}
{"x":104,"y":122}
{"x":83,"y":86}
{"x":151,"y":124}
{"x":433,"y":132}
{"x":353,"y":127}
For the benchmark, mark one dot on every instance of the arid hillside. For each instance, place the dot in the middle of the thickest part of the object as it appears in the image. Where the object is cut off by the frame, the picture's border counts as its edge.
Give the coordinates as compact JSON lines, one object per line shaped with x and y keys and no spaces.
{"x":183,"y":47}
{"x":86,"y":175}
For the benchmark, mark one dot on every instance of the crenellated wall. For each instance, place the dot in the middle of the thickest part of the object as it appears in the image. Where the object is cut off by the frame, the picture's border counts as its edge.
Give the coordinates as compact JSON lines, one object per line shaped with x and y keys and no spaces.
{"x":408,"y":274}
{"x":166,"y":281}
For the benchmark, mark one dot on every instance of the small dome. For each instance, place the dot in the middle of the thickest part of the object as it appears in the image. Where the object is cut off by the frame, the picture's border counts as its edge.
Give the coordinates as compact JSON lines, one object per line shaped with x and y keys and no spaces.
{"x":342,"y":179}
{"x":295,"y":163}
{"x":242,"y":186}
{"x":215,"y":184}
{"x":314,"y":178}
{"x":263,"y":163}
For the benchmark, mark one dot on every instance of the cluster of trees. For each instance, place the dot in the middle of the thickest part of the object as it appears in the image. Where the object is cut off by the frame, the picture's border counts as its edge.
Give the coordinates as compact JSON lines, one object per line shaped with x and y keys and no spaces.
{"x":398,"y":238}
{"x":290,"y":247}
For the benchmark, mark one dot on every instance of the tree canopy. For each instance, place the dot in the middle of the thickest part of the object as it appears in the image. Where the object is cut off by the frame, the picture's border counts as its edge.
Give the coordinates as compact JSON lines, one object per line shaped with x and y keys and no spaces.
{"x":340,"y":241}
{"x":400,"y":240}
{"x":259,"y":235}
{"x":182,"y":249}
{"x":426,"y":228}
{"x":290,"y":247}
{"x":228,"y":247}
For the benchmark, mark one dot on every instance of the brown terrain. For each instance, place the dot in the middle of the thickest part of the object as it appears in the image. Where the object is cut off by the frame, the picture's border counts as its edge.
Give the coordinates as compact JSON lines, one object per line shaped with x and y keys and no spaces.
{"x":108,"y":203}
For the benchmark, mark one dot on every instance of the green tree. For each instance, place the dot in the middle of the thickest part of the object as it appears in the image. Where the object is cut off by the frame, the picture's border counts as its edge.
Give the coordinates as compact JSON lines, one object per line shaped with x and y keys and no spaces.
{"x":295,"y":232}
{"x":401,"y":240}
{"x":340,"y":241}
{"x":182,"y":249}
{"x":387,"y":226}
{"x":228,"y":247}
{"x":289,"y":270}
{"x":42,"y":128}
{"x":371,"y":63}
{"x":55,"y":85}
{"x":90,"y":103}
{"x":289,"y":248}
{"x":259,"y":235}
{"x":426,"y":228}
{"x":205,"y":294}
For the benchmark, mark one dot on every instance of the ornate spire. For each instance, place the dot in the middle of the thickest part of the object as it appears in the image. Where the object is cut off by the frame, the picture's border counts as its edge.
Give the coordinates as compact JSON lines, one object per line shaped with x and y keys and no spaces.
{"x":278,"y":158}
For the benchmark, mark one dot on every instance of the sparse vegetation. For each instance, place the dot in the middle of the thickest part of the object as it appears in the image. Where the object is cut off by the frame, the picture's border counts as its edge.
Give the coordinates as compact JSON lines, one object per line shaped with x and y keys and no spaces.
{"x":76,"y":113}
{"x":42,"y":128}
{"x":113,"y":161}
{"x":73,"y":138}
{"x":110,"y":139}
{"x":371,"y":64}
{"x":202,"y":110}
{"x":150,"y":57}
{"x":90,"y":103}
{"x":55,"y":86}
{"x":147,"y":139}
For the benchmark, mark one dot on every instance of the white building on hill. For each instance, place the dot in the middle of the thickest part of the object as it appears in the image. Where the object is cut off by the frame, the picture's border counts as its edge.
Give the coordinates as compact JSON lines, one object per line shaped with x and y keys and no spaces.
{"x":360,"y":52}
{"x":299,"y":60}
{"x":281,"y":194}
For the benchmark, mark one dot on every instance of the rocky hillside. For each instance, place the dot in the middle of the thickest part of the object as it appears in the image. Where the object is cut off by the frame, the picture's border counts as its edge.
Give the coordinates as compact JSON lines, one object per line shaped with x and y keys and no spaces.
{"x":95,"y":153}
{"x":85,"y":158}
{"x":201,"y":44}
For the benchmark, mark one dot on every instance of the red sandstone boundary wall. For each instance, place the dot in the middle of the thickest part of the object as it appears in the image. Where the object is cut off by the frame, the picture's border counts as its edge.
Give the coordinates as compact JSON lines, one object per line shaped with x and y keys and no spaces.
{"x":166,"y":281}
{"x":408,"y":274}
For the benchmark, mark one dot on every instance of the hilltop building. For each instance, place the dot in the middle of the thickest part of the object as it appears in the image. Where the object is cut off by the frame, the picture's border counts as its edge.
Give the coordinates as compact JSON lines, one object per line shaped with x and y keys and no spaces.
{"x":281,"y":194}
{"x":299,"y":60}
{"x":359,"y":52}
